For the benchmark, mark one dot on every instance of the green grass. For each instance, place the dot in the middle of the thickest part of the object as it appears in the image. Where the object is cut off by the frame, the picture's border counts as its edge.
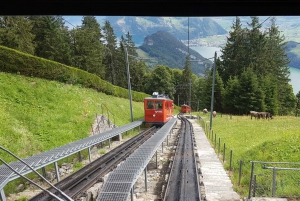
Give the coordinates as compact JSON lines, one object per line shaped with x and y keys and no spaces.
{"x":23,"y":198}
{"x":102,"y":152}
{"x":276,"y":140}
{"x":39,"y":115}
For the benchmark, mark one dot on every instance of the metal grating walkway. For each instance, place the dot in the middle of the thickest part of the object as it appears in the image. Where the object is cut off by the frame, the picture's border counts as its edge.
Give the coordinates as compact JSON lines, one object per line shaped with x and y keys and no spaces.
{"x":121,"y":180}
{"x":41,"y":160}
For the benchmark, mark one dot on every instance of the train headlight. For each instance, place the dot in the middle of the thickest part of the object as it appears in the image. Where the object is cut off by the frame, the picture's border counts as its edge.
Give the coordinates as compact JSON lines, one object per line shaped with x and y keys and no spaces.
{"x":153,"y":115}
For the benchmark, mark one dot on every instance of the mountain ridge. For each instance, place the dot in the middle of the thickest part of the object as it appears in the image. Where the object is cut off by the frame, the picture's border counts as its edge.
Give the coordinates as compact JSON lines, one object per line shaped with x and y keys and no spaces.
{"x":170,"y":51}
{"x":140,"y":27}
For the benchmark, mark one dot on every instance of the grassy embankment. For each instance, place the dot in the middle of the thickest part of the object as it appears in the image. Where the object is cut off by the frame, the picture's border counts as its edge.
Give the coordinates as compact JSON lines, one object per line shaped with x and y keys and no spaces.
{"x":38,"y":115}
{"x":276,"y":140}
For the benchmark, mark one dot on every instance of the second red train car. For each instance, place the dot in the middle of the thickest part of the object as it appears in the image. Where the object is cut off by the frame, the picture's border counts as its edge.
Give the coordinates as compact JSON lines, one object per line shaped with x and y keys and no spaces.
{"x":185,"y":108}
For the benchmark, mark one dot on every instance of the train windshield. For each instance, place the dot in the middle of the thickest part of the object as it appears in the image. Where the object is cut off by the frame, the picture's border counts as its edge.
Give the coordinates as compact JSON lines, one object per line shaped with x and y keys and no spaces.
{"x":155,"y":105}
{"x":150,"y":105}
{"x":159,"y":105}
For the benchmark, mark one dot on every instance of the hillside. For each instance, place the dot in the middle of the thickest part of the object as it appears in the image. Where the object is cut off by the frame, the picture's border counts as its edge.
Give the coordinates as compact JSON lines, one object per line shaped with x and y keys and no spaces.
{"x":294,"y":54}
{"x":169,"y":51}
{"x":140,"y":27}
{"x":38,"y":115}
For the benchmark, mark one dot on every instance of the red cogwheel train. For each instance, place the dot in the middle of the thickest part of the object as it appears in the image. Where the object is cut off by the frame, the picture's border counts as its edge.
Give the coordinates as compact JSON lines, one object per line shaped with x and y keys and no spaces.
{"x":158,"y":109}
{"x":185,"y":108}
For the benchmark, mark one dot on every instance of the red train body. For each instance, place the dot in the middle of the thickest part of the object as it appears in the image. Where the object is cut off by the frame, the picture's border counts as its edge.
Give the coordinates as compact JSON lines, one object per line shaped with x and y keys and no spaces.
{"x":158,"y":109}
{"x":185,"y":108}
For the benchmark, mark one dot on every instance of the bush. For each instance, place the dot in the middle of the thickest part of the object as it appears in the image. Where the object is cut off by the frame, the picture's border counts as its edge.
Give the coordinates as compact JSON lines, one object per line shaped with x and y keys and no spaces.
{"x":13,"y":61}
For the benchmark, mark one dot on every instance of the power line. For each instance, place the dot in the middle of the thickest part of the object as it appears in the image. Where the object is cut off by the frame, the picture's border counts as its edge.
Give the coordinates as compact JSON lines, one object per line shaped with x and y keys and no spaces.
{"x":68,"y":22}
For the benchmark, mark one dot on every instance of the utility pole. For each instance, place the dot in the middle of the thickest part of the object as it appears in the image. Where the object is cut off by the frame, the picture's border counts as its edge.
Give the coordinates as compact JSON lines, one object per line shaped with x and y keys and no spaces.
{"x":129,"y":85}
{"x":190,"y":98}
{"x":213,"y":90}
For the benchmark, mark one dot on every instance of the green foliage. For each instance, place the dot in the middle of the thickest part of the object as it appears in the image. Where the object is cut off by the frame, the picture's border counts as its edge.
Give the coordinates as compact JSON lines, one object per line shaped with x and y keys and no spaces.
{"x":102,"y":152}
{"x":88,"y":49}
{"x":22,"y":198}
{"x":251,"y":96}
{"x":186,"y":79}
{"x":258,"y":61}
{"x":39,"y":115}
{"x":77,"y":166}
{"x":231,"y":100}
{"x":110,"y":52}
{"x":160,"y":80}
{"x":15,"y":32}
{"x":13,"y":61}
{"x":233,"y":53}
{"x":52,"y":39}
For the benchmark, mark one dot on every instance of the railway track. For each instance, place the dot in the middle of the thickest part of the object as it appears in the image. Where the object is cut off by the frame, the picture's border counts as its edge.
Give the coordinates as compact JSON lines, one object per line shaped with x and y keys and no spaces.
{"x":183,"y":182}
{"x":79,"y":182}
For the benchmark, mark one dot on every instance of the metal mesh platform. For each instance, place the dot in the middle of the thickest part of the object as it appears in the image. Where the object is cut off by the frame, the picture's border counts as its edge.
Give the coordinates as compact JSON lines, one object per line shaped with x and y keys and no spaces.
{"x":41,"y":160}
{"x":120,"y":181}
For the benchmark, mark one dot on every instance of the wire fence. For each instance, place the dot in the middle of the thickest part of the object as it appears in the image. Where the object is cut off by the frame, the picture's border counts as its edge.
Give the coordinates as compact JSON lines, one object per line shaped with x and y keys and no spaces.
{"x":274,"y":179}
{"x":264,"y":179}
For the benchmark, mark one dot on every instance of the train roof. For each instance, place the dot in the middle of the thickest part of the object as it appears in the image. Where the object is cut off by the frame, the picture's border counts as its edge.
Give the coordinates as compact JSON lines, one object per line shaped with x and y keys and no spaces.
{"x":185,"y":105}
{"x":156,"y":96}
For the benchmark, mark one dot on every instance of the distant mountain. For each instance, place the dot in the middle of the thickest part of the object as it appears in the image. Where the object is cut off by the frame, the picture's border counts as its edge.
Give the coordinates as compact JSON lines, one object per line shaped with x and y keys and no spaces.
{"x":294,"y":58}
{"x":170,"y":51}
{"x":140,"y":27}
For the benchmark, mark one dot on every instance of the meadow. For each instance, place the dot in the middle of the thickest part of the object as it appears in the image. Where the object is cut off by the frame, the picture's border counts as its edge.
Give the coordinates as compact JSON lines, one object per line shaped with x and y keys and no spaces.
{"x":276,"y":140}
{"x":38,"y":115}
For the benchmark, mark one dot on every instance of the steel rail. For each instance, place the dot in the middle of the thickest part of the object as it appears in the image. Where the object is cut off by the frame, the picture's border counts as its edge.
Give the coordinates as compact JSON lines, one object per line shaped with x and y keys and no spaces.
{"x":183,"y":182}
{"x":76,"y":184}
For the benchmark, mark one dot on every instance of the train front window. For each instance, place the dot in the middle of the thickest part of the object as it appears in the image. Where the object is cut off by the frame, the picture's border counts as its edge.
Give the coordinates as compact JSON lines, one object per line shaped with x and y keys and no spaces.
{"x":150,"y":105}
{"x":159,"y":105}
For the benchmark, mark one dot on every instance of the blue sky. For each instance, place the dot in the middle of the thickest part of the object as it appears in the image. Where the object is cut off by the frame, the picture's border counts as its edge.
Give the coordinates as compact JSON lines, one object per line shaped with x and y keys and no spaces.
{"x":76,"y":20}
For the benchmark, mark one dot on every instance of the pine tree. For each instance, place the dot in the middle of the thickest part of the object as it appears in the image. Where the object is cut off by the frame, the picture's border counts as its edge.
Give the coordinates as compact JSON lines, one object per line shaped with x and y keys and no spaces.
{"x":52,"y":39}
{"x":130,"y":44}
{"x":88,"y":48}
{"x":278,"y":62}
{"x":264,"y":54}
{"x":233,"y":53}
{"x":271,"y":93}
{"x":255,"y":47}
{"x":231,"y":96}
{"x":186,"y":80}
{"x":110,"y":43}
{"x":198,"y":90}
{"x":176,"y":80}
{"x":251,"y":96}
{"x":137,"y":73}
{"x":121,"y":68}
{"x":219,"y":92}
{"x":15,"y":32}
